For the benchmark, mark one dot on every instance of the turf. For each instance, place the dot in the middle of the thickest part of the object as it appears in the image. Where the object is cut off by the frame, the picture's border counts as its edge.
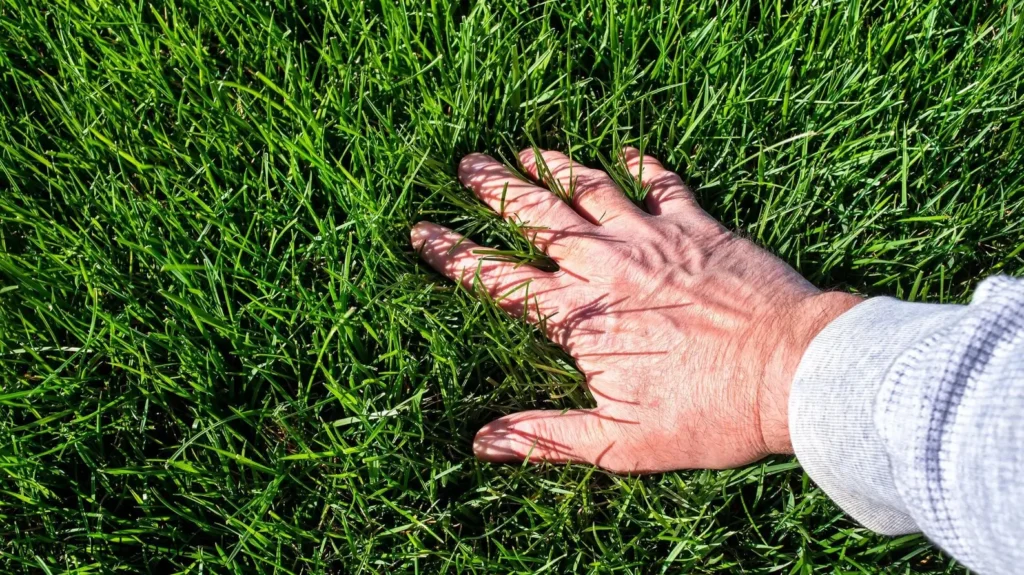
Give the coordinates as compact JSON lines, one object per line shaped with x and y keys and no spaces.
{"x":218,"y":353}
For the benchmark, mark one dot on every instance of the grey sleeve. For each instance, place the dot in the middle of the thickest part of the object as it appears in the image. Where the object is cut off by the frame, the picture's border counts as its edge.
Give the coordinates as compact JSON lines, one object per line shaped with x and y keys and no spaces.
{"x":911,"y":417}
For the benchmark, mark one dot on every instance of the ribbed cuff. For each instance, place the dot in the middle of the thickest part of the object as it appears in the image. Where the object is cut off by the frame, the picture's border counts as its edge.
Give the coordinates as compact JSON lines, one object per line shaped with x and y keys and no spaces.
{"x":831,"y":405}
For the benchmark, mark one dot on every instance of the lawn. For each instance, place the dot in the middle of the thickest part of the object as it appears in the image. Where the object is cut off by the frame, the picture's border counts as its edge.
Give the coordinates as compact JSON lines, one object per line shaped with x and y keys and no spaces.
{"x":219,"y":354}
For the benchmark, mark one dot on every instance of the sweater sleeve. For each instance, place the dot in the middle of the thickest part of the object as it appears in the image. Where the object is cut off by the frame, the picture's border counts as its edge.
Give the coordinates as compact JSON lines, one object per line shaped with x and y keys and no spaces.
{"x":911,"y":417}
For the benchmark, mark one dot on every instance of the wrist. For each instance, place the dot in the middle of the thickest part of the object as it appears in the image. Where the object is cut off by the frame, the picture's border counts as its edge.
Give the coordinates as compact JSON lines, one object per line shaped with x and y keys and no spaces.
{"x":794,"y":330}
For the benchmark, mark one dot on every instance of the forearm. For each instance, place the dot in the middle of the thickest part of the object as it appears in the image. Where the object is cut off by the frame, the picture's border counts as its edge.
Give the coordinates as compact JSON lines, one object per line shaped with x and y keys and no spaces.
{"x":909,"y":416}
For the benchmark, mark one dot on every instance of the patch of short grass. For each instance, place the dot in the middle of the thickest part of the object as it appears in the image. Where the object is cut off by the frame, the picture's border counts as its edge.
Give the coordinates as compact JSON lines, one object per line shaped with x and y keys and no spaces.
{"x":219,"y":354}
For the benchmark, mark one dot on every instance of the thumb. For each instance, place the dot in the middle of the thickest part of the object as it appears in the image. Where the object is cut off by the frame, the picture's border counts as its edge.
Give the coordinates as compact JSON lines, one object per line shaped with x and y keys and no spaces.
{"x":574,"y":436}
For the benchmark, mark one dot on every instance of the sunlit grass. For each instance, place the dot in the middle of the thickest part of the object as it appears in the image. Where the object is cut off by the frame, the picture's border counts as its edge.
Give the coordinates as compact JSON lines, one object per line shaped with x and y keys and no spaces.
{"x":219,"y":354}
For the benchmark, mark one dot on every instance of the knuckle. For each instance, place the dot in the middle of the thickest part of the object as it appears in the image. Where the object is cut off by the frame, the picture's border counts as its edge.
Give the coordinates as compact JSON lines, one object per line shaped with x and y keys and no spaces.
{"x":651,"y":160}
{"x":598,"y":177}
{"x":593,"y":183}
{"x":665,"y":178}
{"x":563,"y":170}
{"x":643,"y":162}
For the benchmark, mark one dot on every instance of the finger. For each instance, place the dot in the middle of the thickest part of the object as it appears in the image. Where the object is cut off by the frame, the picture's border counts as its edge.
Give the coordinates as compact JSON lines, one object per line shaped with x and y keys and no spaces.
{"x":551,"y":224}
{"x":516,"y":288}
{"x":592,"y":192}
{"x":574,"y":436}
{"x":668,"y":193}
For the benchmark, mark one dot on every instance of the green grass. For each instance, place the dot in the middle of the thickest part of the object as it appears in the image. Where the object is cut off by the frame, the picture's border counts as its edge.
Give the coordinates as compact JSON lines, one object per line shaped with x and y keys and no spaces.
{"x":219,"y":354}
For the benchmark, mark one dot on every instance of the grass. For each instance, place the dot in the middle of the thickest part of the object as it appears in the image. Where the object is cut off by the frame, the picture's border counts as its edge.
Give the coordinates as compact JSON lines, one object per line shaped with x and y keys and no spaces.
{"x":219,"y":354}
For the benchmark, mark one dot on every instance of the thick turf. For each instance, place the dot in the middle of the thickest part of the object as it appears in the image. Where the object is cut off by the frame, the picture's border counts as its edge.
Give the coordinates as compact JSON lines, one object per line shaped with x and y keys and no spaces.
{"x":219,"y":354}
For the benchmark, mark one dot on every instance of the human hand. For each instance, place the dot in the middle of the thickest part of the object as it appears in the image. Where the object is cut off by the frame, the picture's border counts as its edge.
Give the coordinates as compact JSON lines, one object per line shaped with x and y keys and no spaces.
{"x":688,"y":335}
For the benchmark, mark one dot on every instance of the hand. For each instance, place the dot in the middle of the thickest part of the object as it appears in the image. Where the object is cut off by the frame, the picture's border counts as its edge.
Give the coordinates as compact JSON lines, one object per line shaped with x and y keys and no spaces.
{"x":688,"y":335}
